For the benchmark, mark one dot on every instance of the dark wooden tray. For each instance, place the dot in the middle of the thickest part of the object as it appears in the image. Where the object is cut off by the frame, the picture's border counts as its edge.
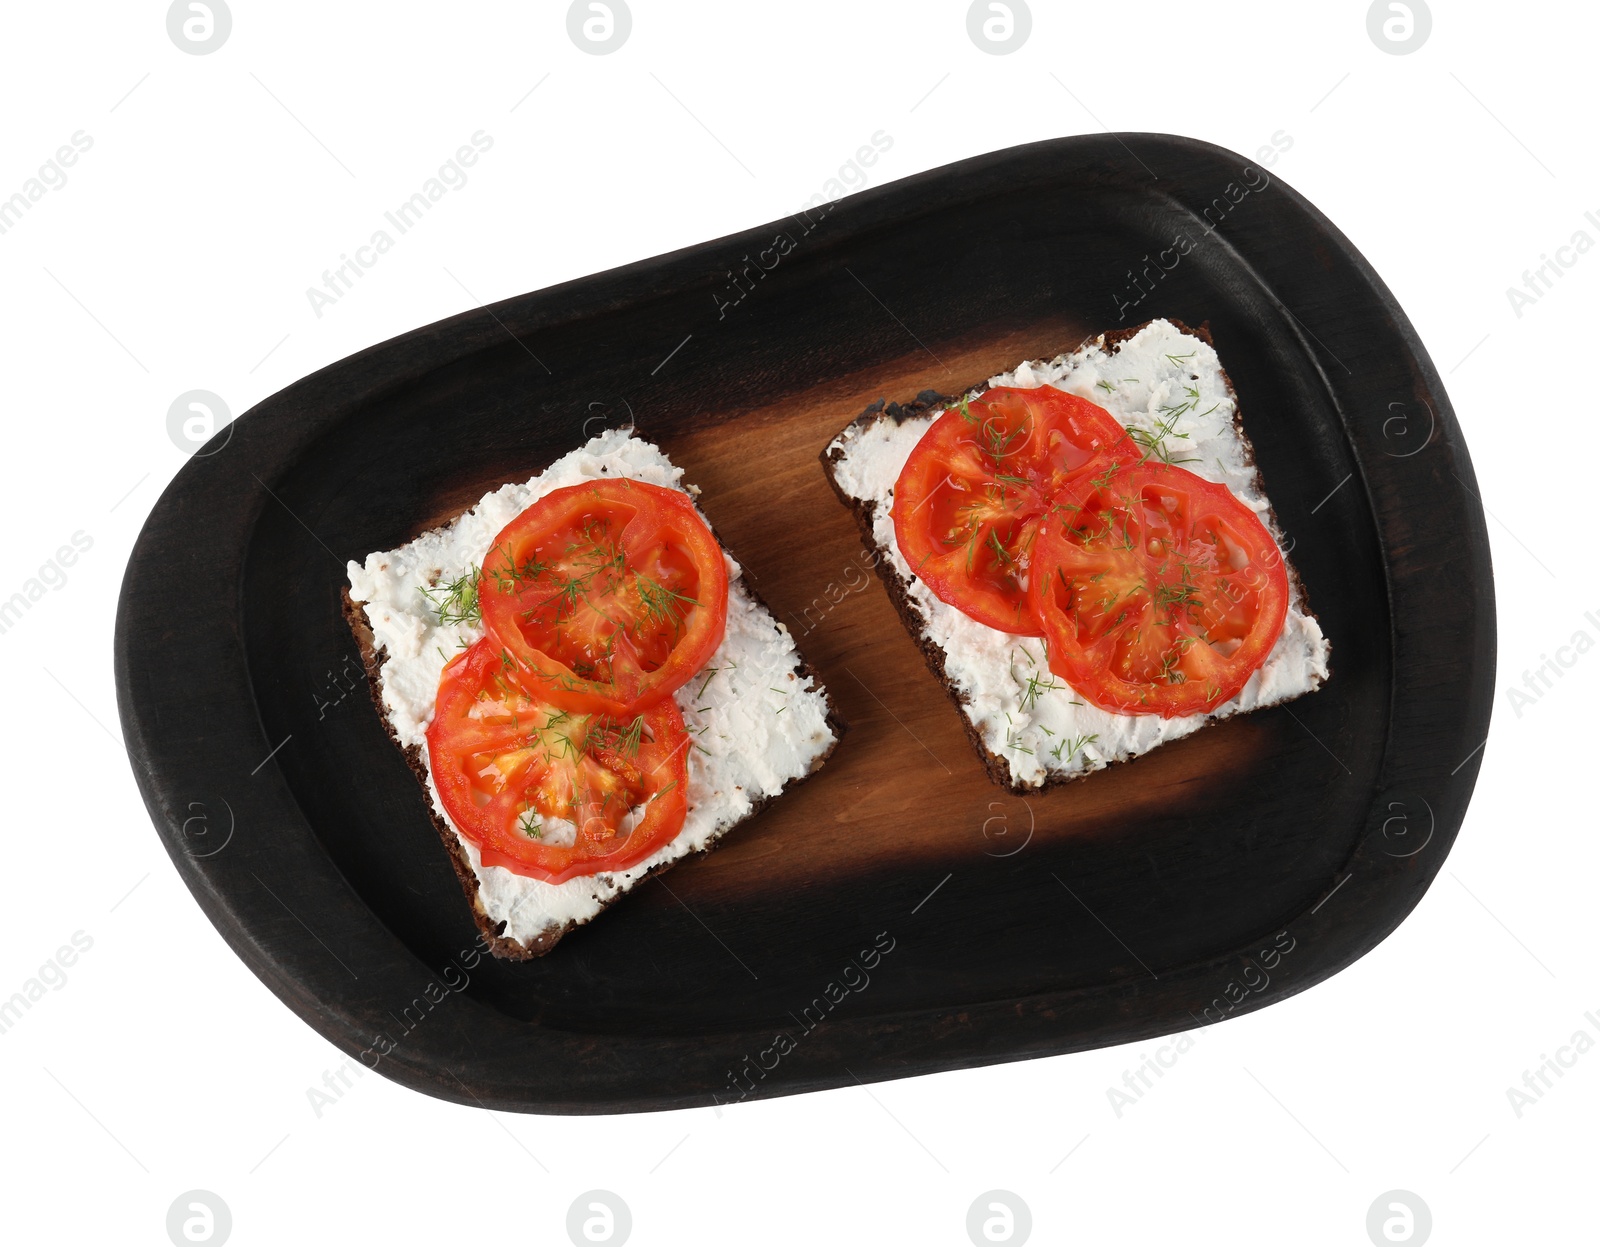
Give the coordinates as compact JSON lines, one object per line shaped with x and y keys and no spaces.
{"x":1216,"y":875}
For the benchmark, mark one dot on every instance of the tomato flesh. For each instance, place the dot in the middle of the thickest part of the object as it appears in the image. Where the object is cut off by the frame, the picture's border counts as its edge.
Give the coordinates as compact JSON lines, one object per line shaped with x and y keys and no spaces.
{"x":968,"y":502}
{"x":1158,"y":592}
{"x":548,"y":792}
{"x":610,"y":594}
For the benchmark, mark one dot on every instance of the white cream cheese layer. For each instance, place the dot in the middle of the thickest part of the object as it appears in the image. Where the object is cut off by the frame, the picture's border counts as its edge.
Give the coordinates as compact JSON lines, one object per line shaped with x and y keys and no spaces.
{"x":757,"y":721}
{"x":1161,"y":381}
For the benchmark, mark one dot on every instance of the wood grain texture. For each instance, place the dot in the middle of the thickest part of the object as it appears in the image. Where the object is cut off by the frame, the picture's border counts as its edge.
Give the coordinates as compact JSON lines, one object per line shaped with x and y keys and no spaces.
{"x":1158,"y":893}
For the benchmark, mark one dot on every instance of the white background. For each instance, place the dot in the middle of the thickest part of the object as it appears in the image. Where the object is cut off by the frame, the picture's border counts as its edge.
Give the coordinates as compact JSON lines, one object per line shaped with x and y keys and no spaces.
{"x":177,"y":256}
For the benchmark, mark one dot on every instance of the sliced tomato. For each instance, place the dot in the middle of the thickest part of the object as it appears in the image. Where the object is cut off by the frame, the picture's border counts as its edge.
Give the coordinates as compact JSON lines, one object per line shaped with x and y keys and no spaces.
{"x":1158,"y":592}
{"x":968,"y":501}
{"x":610,"y":595}
{"x":547,"y":792}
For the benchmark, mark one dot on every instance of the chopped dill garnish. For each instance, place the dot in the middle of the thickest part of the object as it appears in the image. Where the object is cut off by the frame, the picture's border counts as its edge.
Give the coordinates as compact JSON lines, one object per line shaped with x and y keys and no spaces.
{"x":711,"y":674}
{"x":456,"y":601}
{"x":625,"y":740}
{"x":1035,"y":687}
{"x":510,"y":580}
{"x":1073,"y":745}
{"x":1155,"y":443}
{"x":662,"y":604}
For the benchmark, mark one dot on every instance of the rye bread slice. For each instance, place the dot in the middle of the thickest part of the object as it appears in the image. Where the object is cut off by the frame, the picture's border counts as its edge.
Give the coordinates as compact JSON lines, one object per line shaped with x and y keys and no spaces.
{"x":997,"y":767}
{"x":492,"y":931}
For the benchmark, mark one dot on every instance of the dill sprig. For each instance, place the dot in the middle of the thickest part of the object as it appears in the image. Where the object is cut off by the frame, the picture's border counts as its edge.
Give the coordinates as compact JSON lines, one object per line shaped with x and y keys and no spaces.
{"x":1035,"y":688}
{"x":661,"y":604}
{"x":456,"y":601}
{"x":1073,"y":745}
{"x":711,"y":674}
{"x":621,"y":739}
{"x":1154,"y":444}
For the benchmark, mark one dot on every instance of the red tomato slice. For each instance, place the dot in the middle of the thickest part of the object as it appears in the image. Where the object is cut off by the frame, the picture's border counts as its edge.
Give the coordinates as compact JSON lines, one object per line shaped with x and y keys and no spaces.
{"x":547,"y":792}
{"x":1158,"y":592}
{"x":968,"y":501}
{"x":610,"y":595}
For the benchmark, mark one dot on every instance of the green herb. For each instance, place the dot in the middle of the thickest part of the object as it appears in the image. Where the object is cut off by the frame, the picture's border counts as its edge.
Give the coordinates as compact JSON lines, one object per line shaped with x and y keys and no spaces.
{"x":661,"y":603}
{"x":1000,"y":554}
{"x":711,"y":674}
{"x":1073,"y":746}
{"x":1104,"y":479}
{"x":625,"y":740}
{"x":456,"y":601}
{"x":1154,"y":443}
{"x":1000,"y":443}
{"x":1035,"y":687}
{"x":509,"y":579}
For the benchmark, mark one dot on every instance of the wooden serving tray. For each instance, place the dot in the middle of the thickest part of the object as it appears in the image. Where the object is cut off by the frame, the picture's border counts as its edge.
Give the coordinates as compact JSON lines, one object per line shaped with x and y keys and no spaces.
{"x":897,"y":914}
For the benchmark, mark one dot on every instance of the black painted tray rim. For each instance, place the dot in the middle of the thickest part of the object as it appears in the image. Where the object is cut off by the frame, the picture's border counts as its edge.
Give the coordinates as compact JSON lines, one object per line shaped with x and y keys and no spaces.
{"x":170,"y":772}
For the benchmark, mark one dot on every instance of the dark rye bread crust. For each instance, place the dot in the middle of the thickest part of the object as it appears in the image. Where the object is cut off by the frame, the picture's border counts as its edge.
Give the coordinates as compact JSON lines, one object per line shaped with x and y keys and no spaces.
{"x":492,"y":931}
{"x":865,"y":512}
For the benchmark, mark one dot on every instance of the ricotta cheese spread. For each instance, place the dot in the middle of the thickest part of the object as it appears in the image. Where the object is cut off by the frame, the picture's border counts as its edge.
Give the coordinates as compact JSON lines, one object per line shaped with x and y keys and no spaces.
{"x":757,"y":721}
{"x":1169,"y":385}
